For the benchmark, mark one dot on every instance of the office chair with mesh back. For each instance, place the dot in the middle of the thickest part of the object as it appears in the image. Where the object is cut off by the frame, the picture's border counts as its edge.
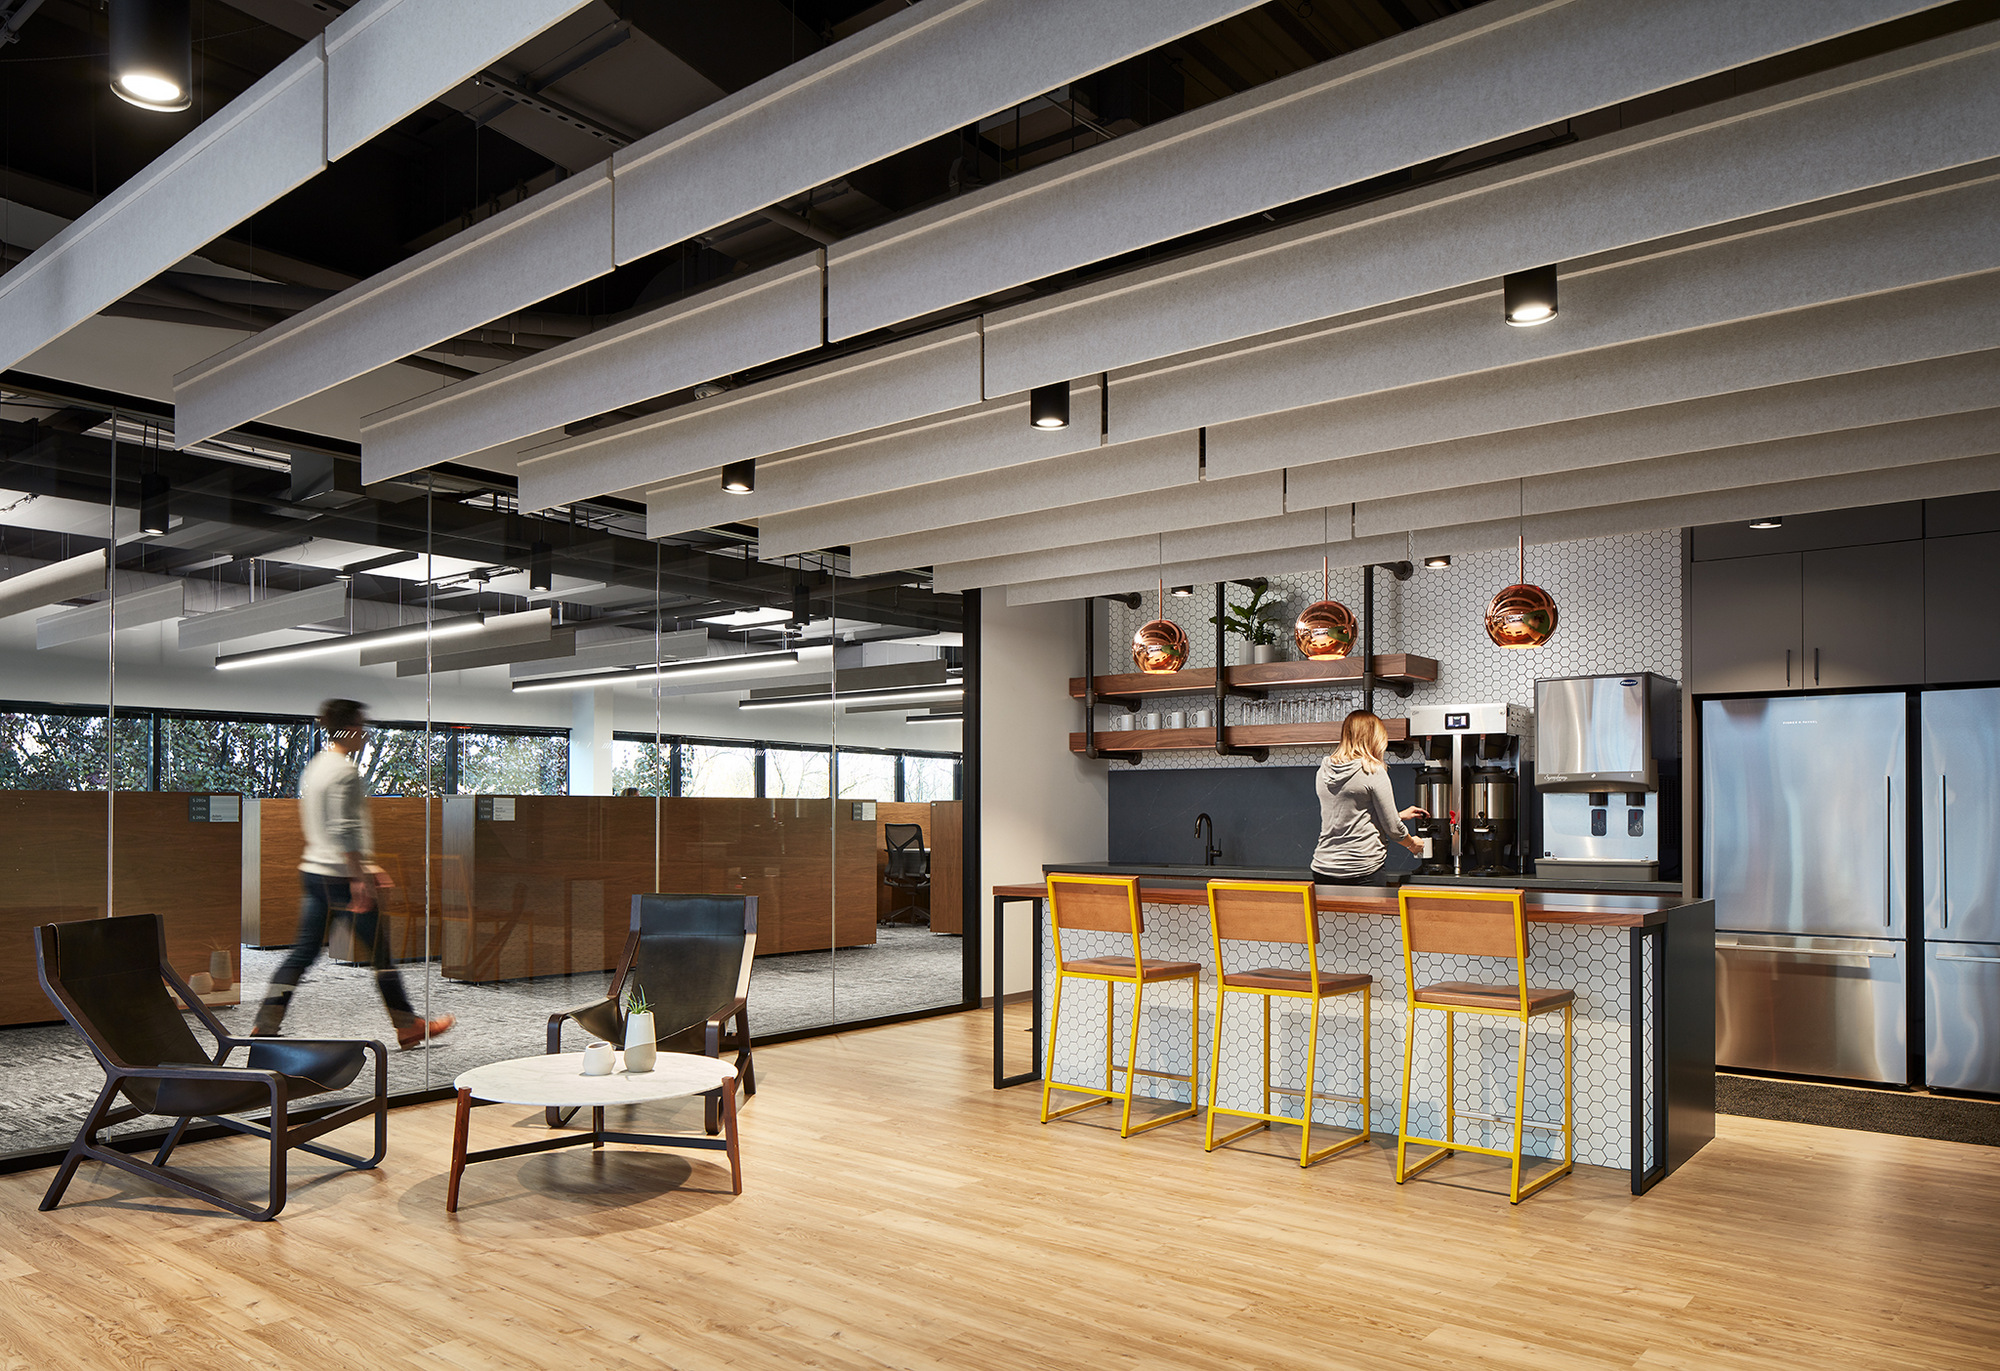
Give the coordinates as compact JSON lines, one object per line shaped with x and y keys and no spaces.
{"x":909,"y":871}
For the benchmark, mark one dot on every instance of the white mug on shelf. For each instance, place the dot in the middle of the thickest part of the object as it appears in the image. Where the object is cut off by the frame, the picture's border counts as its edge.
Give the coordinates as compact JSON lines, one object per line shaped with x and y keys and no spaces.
{"x":1202,"y":718}
{"x":1149,"y":720}
{"x":1121,"y":723}
{"x":1176,"y":719}
{"x":599,"y":1059}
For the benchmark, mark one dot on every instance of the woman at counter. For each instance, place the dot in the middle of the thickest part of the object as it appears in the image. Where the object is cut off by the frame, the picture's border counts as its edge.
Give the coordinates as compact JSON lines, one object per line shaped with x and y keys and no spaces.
{"x":1357,"y":809}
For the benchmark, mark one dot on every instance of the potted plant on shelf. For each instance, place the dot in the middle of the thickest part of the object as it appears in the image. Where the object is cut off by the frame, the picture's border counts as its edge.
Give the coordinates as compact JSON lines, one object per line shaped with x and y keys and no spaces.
{"x":640,"y":1046}
{"x":1255,"y":623}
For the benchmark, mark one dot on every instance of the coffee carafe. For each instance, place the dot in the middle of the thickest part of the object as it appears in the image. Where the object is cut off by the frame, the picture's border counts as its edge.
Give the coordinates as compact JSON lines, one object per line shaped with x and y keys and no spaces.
{"x":1434,"y":798}
{"x":1490,"y":820}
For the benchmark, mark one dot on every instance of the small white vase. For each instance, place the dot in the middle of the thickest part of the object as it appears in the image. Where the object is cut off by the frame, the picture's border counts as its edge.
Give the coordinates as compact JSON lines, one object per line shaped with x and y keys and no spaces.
{"x":1265,"y":652}
{"x":640,"y":1050}
{"x":219,"y":970}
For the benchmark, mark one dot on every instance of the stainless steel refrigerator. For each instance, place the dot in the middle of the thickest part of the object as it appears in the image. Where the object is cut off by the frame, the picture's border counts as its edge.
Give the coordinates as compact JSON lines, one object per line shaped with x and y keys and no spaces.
{"x":1804,"y":853}
{"x":1961,"y":866}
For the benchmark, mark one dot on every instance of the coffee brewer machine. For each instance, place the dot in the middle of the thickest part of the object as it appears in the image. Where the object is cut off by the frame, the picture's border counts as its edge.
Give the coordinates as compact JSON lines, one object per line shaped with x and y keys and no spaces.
{"x":1467,"y":778}
{"x":1607,"y":758}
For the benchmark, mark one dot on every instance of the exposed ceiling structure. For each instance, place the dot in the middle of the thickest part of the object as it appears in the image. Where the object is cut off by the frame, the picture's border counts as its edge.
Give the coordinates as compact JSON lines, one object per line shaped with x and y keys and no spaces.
{"x":1272,"y":292}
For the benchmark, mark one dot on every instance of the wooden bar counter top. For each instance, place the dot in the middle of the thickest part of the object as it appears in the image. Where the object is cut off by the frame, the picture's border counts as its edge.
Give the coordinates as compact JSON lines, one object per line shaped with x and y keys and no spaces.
{"x":1546,"y":907}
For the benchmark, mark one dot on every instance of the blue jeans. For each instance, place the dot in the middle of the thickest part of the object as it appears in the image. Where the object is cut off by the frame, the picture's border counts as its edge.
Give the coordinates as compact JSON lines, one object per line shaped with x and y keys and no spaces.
{"x":323,"y":894}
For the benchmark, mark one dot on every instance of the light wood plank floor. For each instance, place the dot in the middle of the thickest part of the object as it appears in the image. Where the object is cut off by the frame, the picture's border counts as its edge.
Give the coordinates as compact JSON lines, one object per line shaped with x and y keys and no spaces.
{"x":899,"y":1212}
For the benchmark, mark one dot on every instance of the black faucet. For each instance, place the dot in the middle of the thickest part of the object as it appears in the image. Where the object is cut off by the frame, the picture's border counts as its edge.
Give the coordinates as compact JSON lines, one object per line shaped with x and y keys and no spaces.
{"x":1209,"y":850}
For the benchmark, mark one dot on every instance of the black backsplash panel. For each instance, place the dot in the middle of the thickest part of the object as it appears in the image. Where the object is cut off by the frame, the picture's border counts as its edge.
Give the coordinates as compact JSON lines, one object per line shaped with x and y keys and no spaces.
{"x":1264,"y":815}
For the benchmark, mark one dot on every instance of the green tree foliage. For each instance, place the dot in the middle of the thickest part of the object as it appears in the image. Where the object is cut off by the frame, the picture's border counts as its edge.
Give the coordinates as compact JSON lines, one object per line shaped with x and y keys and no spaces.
{"x":512,"y":764}
{"x":645,"y":767}
{"x":66,"y":752}
{"x":234,"y":756}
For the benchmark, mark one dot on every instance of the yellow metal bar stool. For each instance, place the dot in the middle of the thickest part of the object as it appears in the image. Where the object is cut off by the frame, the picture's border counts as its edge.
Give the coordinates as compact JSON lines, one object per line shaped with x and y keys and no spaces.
{"x":1110,"y":904}
{"x":1279,"y":912}
{"x":1480,"y":923}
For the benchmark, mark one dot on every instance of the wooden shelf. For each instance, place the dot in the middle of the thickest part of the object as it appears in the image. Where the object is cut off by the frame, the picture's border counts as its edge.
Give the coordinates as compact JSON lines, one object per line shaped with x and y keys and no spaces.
{"x":1391,"y":668}
{"x":1321,"y":734}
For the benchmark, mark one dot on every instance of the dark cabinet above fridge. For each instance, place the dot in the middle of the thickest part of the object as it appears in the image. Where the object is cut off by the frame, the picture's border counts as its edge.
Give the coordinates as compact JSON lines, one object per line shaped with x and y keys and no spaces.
{"x":1837,"y":618}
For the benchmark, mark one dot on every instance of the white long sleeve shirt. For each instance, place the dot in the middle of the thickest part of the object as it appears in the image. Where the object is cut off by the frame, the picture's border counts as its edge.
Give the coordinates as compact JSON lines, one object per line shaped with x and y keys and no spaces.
{"x":333,"y":812}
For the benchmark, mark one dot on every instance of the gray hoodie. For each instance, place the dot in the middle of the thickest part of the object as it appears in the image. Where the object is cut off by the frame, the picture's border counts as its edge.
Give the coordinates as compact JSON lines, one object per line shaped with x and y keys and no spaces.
{"x":1357,"y":815}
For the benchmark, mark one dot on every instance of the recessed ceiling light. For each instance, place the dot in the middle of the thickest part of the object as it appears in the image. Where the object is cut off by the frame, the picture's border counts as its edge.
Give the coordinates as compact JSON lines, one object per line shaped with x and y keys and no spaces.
{"x":749,"y":618}
{"x":740,"y":478}
{"x":1767,"y":523}
{"x":1182,"y":592}
{"x":1438,"y":562}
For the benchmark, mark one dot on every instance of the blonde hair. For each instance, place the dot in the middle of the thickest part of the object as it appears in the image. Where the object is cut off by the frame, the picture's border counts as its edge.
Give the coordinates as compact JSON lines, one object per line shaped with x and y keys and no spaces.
{"x":1362,"y":738}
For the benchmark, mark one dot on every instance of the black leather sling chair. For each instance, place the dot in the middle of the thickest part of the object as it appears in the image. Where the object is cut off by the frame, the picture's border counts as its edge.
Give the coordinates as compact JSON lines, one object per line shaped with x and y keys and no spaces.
{"x":109,"y":977}
{"x":691,"y":954}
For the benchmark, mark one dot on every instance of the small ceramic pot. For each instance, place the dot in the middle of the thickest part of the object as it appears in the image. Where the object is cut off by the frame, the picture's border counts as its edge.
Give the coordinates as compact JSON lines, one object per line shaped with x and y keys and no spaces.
{"x":600,"y":1059}
{"x":640,"y":1049}
{"x":1265,"y":652}
{"x":200,"y":983}
{"x":219,"y":970}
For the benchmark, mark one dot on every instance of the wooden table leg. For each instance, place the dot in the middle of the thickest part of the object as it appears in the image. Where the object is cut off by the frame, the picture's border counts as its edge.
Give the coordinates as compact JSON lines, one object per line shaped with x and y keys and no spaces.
{"x":458,"y":1149}
{"x":729,"y":1134}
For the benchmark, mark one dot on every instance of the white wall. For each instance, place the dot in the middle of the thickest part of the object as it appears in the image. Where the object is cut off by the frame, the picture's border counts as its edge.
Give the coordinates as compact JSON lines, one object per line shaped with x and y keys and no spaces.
{"x":1038,"y":801}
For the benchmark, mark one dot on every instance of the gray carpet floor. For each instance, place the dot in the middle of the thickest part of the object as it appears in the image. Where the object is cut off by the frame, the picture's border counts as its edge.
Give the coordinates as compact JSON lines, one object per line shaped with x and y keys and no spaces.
{"x":1913,"y":1114}
{"x":48,"y":1077}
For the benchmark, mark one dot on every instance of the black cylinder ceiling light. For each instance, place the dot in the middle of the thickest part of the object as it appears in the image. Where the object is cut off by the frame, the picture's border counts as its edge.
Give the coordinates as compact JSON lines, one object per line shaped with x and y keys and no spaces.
{"x":1048,"y":406}
{"x":152,"y":53}
{"x":740,"y":478}
{"x":540,"y":569}
{"x":1529,"y":296}
{"x":154,"y":516}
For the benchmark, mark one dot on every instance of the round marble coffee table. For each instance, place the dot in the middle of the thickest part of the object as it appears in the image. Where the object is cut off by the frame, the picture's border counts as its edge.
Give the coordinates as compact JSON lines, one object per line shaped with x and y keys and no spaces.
{"x":557,"y":1081}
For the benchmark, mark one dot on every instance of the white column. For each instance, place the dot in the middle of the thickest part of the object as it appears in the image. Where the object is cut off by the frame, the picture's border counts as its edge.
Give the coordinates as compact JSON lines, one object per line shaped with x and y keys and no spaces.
{"x":1039,"y":802}
{"x":590,"y":743}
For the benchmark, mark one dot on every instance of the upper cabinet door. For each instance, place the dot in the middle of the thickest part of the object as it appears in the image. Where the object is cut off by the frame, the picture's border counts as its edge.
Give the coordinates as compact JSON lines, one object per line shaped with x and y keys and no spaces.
{"x":1864,"y":620}
{"x":1962,"y":608}
{"x":1745,"y":625}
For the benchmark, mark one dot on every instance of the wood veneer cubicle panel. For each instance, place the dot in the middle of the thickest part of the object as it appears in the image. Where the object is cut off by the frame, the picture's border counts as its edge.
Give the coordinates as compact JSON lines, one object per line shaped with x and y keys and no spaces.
{"x":943,"y":824}
{"x":399,"y":850}
{"x":52,"y":867}
{"x":549,"y":891}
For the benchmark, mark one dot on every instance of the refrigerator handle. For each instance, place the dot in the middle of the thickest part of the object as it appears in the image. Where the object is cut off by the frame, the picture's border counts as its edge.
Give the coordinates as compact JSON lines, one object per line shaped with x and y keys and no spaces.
{"x":1815,"y":666}
{"x":1788,"y":666}
{"x":1888,"y":851}
{"x":1944,"y":852}
{"x":1949,"y":957}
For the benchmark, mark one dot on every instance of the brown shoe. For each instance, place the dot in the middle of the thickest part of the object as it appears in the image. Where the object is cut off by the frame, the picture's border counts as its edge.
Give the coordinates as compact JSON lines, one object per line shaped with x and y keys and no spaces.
{"x":416,"y":1033}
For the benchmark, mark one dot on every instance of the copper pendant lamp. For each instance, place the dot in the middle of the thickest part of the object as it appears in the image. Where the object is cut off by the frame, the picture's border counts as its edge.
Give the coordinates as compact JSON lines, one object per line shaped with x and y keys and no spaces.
{"x":1160,"y":648}
{"x":1521,"y":615}
{"x":1325,"y":629}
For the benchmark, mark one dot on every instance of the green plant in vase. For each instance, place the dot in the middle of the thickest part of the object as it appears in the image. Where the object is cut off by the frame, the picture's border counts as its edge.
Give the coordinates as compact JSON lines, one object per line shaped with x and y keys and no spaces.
{"x":641,"y":1048}
{"x":1256,"y":623}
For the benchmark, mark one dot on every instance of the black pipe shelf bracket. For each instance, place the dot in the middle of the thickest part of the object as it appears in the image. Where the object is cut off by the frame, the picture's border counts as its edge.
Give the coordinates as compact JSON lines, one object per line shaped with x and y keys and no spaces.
{"x":1223,"y":690}
{"x":1090,"y":748}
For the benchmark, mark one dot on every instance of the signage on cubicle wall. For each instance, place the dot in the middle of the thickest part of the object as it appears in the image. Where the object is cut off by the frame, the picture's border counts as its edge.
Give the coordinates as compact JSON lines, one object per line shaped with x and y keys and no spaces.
{"x":864,"y":809}
{"x":499,"y":808}
{"x":215,"y":809}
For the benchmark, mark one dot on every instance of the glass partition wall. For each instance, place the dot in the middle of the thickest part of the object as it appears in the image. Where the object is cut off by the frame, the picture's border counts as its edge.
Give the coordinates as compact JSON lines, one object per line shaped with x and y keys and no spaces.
{"x":565,"y":713}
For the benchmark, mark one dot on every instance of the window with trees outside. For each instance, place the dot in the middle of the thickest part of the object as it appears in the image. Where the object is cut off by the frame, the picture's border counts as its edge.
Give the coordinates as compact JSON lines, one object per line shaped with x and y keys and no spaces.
{"x":795,"y":773}
{"x":512,"y":764}
{"x":647,"y":767}
{"x":929,"y":778}
{"x":716,"y":771}
{"x":867,"y":775}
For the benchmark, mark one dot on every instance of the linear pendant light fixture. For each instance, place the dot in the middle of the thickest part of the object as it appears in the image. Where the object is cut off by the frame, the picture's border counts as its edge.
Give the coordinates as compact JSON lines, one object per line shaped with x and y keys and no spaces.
{"x":352,"y":642}
{"x":735,"y":664}
{"x":1529,"y":297}
{"x":887,"y":694}
{"x":152,"y":53}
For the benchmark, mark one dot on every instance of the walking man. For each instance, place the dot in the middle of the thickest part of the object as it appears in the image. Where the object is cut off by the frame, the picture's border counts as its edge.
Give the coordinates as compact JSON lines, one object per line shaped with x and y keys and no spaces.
{"x":337,"y":874}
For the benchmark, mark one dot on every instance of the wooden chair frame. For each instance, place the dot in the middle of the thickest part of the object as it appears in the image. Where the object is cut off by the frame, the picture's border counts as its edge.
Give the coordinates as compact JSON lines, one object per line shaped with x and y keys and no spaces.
{"x":1137,"y":980}
{"x":1309,"y":935}
{"x":1522,"y":1014}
